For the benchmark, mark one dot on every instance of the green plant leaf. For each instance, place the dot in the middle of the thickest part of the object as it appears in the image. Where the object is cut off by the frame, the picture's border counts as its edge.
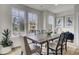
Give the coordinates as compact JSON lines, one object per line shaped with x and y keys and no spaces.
{"x":6,"y":42}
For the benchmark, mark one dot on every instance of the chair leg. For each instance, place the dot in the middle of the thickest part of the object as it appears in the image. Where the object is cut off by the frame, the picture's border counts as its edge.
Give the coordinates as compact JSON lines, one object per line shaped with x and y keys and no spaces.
{"x":56,"y":52}
{"x":66,"y":46}
{"x":41,"y":50}
{"x":47,"y":48}
{"x":61,"y":50}
{"x":21,"y":52}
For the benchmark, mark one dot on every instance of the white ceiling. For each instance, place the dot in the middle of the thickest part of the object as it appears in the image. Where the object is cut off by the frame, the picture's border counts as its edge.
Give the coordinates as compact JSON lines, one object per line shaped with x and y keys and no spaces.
{"x":52,"y":7}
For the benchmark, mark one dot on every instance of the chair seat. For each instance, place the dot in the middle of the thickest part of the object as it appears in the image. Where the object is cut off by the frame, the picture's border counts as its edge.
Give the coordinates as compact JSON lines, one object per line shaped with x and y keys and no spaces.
{"x":52,"y":45}
{"x":57,"y":46}
{"x":35,"y":48}
{"x":56,"y":41}
{"x":29,"y":41}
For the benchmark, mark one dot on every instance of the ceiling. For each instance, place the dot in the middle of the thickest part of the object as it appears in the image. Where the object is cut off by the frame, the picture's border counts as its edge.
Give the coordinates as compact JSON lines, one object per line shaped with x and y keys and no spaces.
{"x":55,"y":8}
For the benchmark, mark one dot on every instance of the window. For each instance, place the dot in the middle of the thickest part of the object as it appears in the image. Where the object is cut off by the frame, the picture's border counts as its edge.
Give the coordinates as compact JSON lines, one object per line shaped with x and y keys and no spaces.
{"x":32,"y":21}
{"x":21,"y":21}
{"x":17,"y":21}
{"x":50,"y":22}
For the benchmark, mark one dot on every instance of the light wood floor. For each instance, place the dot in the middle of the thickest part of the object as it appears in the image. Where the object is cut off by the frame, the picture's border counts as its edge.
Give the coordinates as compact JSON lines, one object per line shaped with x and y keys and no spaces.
{"x":71,"y":50}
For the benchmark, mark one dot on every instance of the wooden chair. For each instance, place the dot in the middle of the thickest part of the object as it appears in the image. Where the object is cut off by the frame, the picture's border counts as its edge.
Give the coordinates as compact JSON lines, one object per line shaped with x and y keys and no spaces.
{"x":66,"y":36}
{"x":21,"y":52}
{"x":66,"y":39}
{"x":55,"y":47}
{"x":29,"y":50}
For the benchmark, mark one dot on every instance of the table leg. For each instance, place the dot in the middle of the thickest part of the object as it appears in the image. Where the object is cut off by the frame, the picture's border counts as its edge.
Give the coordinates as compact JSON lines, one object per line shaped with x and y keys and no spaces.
{"x":47,"y":48}
{"x":41,"y":50}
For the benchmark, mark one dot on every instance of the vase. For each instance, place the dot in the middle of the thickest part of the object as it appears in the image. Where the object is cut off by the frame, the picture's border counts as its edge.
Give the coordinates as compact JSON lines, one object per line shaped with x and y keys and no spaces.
{"x":5,"y":50}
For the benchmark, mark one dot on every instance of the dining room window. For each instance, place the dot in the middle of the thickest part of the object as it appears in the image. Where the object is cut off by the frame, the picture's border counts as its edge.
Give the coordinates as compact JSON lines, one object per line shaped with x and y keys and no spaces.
{"x":18,"y":18}
{"x":50,"y":22}
{"x":32,"y":21}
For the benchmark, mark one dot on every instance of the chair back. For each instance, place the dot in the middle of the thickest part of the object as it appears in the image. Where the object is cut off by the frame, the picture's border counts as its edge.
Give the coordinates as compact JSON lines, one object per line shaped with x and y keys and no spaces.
{"x":66,"y":36}
{"x":69,"y":36}
{"x":61,"y":40}
{"x":27,"y":47}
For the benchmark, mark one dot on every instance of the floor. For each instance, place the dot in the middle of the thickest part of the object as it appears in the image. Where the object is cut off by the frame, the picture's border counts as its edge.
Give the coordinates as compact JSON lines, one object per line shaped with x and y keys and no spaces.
{"x":71,"y":50}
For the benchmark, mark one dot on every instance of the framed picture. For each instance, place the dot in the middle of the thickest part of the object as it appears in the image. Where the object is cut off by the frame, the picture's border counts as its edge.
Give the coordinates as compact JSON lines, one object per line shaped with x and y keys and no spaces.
{"x":59,"y":22}
{"x":68,"y":21}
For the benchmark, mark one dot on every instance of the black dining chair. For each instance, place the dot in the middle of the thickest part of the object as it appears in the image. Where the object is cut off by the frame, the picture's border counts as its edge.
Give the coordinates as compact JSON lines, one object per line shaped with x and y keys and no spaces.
{"x":68,"y":36}
{"x":58,"y":46}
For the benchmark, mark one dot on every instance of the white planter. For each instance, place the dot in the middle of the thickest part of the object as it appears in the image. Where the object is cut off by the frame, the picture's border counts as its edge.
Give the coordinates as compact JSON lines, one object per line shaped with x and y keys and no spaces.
{"x":5,"y":50}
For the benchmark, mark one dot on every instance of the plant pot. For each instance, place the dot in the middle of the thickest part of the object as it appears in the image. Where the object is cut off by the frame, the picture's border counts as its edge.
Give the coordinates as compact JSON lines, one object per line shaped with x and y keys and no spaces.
{"x":5,"y":50}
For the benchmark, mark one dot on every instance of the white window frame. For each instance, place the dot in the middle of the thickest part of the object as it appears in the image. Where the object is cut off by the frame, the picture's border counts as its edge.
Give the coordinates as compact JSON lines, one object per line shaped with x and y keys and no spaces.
{"x":17,"y":14}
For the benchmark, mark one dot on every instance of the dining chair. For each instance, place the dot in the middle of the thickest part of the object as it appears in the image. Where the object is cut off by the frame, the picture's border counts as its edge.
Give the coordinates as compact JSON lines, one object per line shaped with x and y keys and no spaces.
{"x":58,"y":46}
{"x":36,"y":49}
{"x":21,"y":52}
{"x":66,"y":39}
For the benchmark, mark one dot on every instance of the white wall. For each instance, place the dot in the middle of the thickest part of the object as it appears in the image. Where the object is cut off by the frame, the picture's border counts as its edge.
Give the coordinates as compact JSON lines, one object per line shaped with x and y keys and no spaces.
{"x":4,"y":19}
{"x":65,"y":14}
{"x":75,"y":29}
{"x":76,"y":25}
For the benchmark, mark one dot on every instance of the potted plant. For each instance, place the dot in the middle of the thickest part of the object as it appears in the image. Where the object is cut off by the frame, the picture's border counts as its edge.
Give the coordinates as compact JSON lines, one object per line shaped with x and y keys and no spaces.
{"x":6,"y":42}
{"x":49,"y":33}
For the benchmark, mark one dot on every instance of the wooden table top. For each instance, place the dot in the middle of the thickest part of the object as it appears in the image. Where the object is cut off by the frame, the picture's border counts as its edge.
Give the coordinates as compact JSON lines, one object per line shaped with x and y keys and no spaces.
{"x":42,"y":38}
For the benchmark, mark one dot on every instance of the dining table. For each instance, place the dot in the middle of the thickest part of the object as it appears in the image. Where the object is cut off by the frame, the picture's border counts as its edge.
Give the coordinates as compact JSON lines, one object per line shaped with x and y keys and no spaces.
{"x":41,"y":39}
